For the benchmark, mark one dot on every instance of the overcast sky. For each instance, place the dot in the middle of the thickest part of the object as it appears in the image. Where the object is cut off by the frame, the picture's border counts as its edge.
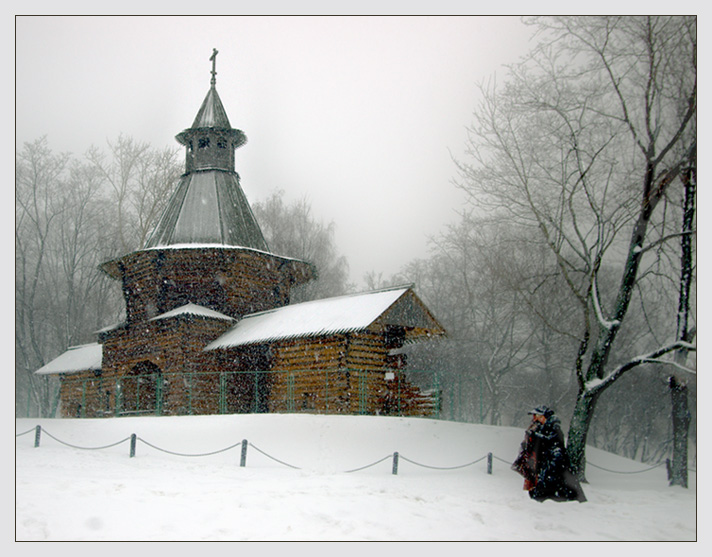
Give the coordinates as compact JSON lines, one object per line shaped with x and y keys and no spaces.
{"x":359,"y":115}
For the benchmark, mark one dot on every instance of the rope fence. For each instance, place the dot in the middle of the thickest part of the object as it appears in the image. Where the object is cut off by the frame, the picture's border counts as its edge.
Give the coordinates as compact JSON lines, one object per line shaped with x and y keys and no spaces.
{"x":396,"y":457}
{"x":187,"y":454}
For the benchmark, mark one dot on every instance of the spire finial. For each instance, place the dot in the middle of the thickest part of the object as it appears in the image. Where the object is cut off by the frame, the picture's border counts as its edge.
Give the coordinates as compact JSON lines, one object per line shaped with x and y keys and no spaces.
{"x":213,"y":72}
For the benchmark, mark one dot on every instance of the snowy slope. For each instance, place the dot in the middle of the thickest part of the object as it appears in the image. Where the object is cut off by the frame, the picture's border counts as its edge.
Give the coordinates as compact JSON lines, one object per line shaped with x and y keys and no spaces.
{"x":66,"y":493}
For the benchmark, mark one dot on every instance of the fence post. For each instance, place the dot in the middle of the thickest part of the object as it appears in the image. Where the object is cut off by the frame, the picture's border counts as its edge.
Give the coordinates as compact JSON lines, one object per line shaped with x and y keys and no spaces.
{"x":290,"y":390}
{"x":190,"y":394}
{"x":38,"y":433}
{"x":243,"y":453}
{"x":132,"y":451}
{"x":84,"y":400}
{"x":326,"y":390}
{"x":256,"y":392}
{"x":489,"y":463}
{"x":221,"y":393}
{"x":158,"y":379}
{"x":395,"y":463}
{"x":118,"y":397}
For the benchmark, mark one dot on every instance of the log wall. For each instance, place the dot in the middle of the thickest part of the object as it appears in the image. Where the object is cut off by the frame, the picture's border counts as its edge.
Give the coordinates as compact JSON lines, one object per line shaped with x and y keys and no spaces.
{"x":338,"y":374}
{"x":175,"y":347}
{"x":342,"y":374}
{"x":235,"y":282}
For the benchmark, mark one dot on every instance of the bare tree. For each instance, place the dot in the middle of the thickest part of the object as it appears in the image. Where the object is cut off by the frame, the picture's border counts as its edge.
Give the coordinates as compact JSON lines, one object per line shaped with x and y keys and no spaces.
{"x":38,"y":184}
{"x":292,"y":231}
{"x":579,"y":146}
{"x":139,"y":181}
{"x":70,"y":215}
{"x":472,"y":283}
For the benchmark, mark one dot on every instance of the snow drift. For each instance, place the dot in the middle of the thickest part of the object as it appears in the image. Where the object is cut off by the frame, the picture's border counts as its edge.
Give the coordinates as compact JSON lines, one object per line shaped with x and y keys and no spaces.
{"x":298,"y":483}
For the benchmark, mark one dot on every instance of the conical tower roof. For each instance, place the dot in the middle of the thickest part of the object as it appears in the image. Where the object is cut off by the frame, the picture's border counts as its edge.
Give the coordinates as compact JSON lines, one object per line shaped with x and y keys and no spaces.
{"x":212,"y":113}
{"x":209,"y":206}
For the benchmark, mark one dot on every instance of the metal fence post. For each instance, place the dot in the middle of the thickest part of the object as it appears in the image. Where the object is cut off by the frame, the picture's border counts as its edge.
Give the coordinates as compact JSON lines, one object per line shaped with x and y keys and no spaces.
{"x":190,"y":393}
{"x":84,"y":399}
{"x":362,"y":391}
{"x":482,"y":417}
{"x":132,"y":450}
{"x":159,"y":393}
{"x":221,"y":395}
{"x":243,"y":453}
{"x":55,"y":403}
{"x":326,"y":390}
{"x":117,"y":397}
{"x":255,"y":392}
{"x":438,"y":394}
{"x":38,"y":433}
{"x":489,"y":463}
{"x":290,"y":391}
{"x":398,"y":386}
{"x":395,"y":463}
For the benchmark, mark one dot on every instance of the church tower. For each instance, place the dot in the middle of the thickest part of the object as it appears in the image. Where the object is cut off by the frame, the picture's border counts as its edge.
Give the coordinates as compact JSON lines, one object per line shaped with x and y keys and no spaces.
{"x":207,"y":248}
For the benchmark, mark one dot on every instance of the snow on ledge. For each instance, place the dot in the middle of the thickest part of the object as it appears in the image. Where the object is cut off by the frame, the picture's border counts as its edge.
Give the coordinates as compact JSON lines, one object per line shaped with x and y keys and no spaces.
{"x":217,"y":246}
{"x":193,"y":309}
{"x":75,"y":359}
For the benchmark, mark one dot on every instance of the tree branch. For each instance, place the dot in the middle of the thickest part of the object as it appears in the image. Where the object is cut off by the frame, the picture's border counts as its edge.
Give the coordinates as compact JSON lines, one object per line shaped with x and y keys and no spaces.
{"x":597,"y":385}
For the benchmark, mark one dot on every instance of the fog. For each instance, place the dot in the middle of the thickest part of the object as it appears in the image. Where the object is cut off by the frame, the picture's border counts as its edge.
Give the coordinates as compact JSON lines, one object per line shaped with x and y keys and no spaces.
{"x":361,"y":116}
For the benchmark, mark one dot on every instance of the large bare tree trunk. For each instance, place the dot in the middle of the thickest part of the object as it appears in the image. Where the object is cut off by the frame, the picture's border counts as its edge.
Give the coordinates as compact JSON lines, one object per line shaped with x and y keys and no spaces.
{"x":678,"y":389}
{"x":578,"y":431}
{"x":677,"y":471}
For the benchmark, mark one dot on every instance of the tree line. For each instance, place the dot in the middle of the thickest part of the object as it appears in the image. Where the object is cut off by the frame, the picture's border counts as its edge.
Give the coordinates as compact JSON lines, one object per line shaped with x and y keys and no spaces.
{"x":568,"y":278}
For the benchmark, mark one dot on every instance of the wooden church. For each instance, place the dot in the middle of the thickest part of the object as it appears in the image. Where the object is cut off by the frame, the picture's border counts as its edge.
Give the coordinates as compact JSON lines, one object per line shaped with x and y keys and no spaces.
{"x":209,"y":327}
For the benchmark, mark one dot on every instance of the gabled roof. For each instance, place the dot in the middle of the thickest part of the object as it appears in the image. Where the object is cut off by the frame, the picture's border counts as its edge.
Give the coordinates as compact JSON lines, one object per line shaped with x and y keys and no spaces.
{"x":75,"y":359}
{"x":193,"y":309}
{"x":187,"y":309}
{"x":395,"y":306}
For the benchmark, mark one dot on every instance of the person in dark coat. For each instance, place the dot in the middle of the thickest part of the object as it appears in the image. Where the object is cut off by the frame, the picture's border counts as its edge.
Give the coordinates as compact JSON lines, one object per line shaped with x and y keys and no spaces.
{"x":543,"y":460}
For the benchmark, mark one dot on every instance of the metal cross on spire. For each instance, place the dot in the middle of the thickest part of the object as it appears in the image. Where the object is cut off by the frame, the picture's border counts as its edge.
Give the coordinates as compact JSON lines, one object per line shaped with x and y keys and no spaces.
{"x":213,"y":72}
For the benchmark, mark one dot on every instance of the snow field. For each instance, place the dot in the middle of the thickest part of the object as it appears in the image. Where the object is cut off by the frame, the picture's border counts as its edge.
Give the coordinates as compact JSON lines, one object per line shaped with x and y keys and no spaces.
{"x":70,"y":494}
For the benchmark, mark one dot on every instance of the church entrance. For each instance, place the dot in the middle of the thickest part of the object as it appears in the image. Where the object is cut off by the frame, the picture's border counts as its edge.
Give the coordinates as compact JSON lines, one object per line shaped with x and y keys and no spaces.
{"x":142,"y":389}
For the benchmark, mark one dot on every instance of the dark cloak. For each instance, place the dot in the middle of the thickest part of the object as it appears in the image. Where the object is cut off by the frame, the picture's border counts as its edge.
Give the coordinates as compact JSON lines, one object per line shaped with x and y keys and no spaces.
{"x":544,"y":463}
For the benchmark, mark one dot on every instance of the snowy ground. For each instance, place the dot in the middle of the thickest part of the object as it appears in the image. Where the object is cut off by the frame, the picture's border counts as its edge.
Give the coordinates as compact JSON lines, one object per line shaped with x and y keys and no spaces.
{"x":65,"y":493}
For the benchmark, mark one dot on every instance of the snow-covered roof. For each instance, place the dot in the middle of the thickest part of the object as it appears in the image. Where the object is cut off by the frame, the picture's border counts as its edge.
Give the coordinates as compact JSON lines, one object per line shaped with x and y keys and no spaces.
{"x":75,"y":359}
{"x":341,"y":314}
{"x":193,"y":309}
{"x":110,"y":327}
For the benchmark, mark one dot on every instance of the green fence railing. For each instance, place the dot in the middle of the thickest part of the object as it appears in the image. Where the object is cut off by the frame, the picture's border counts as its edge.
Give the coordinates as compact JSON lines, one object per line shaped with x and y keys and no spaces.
{"x":348,"y":391}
